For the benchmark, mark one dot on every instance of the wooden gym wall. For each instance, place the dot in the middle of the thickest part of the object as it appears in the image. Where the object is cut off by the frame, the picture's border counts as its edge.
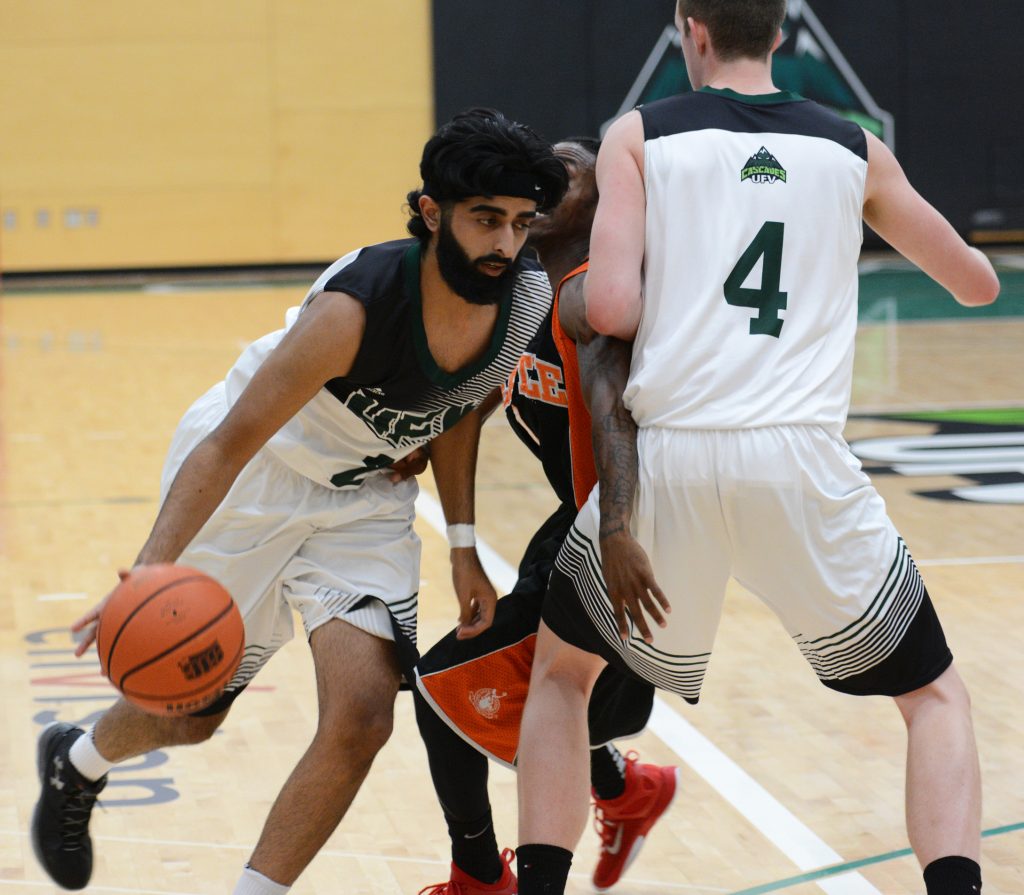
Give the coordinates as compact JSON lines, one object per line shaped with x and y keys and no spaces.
{"x":137,"y":134}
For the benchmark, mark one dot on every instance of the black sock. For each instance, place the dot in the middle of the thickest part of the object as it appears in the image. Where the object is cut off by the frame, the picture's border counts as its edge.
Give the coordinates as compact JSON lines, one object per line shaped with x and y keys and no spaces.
{"x":607,"y":772}
{"x":952,"y":875}
{"x":542,"y":869}
{"x":474,"y":848}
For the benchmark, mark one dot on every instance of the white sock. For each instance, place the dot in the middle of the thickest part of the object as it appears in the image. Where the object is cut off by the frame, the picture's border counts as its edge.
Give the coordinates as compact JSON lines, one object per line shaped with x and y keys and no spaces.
{"x":86,"y":757}
{"x":252,"y":882}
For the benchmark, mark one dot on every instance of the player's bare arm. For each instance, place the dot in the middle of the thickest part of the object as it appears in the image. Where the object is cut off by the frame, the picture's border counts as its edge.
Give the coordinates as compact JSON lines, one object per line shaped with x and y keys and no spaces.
{"x":321,"y":345}
{"x":905,"y":220}
{"x":453,"y":460}
{"x":604,"y":368}
{"x":613,"y":289}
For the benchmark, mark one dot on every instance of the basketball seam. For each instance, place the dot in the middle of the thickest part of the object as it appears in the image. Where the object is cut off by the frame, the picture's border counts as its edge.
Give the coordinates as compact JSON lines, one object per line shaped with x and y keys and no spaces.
{"x":139,"y":608}
{"x":173,"y":647}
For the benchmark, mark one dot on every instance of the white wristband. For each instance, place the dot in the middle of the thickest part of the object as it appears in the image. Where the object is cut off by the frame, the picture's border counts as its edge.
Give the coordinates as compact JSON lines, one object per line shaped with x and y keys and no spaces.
{"x":462,"y":535}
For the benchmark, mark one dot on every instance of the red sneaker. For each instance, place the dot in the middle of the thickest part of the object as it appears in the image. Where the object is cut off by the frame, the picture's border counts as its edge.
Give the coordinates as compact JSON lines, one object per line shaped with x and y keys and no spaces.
{"x":463,"y":884}
{"x":624,"y":822}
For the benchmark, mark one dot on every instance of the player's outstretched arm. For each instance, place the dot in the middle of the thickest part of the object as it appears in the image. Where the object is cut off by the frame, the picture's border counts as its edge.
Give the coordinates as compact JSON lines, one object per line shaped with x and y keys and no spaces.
{"x":321,"y":345}
{"x":453,"y":459}
{"x":902,"y":217}
{"x":604,"y":369}
{"x":613,"y":294}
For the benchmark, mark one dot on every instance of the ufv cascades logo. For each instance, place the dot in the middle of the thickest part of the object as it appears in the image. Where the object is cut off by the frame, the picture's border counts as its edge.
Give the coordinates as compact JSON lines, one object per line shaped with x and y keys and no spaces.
{"x":763,"y":167}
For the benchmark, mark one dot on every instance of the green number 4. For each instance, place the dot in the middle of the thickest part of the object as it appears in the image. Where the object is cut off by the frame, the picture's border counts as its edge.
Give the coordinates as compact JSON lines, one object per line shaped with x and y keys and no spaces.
{"x":767,"y":299}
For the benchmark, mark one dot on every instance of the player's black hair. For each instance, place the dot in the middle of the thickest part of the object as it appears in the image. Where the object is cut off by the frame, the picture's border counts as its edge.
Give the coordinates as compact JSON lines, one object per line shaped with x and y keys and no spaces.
{"x":480,"y":152}
{"x":738,"y":28}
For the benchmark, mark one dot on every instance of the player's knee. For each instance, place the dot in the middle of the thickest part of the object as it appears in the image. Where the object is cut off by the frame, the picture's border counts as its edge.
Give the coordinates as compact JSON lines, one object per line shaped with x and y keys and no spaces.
{"x":950,"y":688}
{"x":570,"y":679}
{"x":947,"y":692}
{"x":360,"y":727}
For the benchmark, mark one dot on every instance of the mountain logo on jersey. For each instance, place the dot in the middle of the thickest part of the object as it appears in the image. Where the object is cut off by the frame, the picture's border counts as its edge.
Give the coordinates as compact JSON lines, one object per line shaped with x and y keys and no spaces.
{"x":763,"y":167}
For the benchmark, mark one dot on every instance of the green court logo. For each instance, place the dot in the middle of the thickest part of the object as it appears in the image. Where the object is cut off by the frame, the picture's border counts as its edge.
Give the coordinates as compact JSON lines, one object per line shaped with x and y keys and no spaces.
{"x":763,"y":167}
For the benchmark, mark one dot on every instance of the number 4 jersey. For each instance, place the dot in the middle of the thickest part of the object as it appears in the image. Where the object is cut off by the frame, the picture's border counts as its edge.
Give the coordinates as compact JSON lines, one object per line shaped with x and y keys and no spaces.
{"x":750,"y":275}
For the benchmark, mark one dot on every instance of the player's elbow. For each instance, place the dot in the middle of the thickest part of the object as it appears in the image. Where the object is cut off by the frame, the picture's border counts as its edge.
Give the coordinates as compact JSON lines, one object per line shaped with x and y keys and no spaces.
{"x":613,"y":315}
{"x":983,"y":288}
{"x":601,"y":318}
{"x":984,"y":292}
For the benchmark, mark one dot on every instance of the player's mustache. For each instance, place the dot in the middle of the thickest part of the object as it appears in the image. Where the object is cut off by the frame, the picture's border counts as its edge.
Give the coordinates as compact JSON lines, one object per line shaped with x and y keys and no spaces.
{"x":493,"y":259}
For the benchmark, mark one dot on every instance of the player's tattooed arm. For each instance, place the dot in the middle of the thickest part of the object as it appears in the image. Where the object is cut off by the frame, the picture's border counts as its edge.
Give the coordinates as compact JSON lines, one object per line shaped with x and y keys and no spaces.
{"x":604,"y":369}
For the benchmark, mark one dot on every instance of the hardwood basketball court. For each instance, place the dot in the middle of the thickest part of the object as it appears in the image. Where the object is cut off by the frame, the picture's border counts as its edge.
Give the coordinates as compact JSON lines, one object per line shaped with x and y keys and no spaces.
{"x":786,"y":786}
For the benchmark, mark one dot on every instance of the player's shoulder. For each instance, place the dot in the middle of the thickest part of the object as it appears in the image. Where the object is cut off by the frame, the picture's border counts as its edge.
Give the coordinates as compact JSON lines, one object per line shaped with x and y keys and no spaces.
{"x":673,"y":114}
{"x":815,"y":120}
{"x":782,"y":112}
{"x":371,"y":272}
{"x":532,"y":286}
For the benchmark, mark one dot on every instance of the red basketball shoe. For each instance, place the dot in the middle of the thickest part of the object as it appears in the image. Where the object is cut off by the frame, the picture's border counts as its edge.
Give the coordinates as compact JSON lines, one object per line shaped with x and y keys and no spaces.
{"x":624,"y":822}
{"x":464,"y":884}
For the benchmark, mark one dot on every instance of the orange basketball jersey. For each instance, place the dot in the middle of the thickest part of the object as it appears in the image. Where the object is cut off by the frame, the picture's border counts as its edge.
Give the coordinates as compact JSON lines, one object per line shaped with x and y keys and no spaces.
{"x":584,"y":472}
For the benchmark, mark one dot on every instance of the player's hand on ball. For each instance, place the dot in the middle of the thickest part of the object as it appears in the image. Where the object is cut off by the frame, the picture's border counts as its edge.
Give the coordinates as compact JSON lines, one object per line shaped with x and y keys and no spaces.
{"x":83,"y":630}
{"x":631,"y":585}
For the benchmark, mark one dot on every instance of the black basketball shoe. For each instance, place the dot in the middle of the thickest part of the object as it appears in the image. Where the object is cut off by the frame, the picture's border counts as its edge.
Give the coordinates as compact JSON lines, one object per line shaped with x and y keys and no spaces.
{"x":60,"y":822}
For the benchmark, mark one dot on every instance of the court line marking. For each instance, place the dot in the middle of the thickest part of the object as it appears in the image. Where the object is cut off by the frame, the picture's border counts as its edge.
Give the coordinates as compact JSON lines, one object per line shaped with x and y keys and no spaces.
{"x":813,"y":876}
{"x":60,"y":598}
{"x":780,"y":826}
{"x":971,"y":561}
{"x":37,"y":884}
{"x":331,"y":853}
{"x":857,"y":411}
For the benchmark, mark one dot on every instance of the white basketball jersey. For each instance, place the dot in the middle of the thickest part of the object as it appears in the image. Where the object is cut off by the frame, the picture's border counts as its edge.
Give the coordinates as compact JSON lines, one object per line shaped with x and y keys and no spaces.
{"x":750,"y":275}
{"x":395,"y":397}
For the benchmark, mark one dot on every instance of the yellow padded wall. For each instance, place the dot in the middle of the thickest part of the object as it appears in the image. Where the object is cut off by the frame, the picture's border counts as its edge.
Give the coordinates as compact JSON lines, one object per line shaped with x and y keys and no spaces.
{"x":205,"y":132}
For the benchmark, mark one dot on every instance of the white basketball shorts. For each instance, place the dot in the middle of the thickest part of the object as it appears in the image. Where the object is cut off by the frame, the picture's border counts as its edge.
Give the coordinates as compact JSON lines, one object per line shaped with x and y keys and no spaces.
{"x":280,"y":541}
{"x":788,"y":512}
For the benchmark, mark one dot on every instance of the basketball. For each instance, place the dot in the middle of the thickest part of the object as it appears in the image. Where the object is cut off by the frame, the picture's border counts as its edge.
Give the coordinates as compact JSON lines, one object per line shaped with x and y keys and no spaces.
{"x":170,"y":638}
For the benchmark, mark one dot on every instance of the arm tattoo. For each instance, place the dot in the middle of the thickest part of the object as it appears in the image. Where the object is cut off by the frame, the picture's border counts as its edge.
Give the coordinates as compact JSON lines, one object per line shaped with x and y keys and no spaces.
{"x":604,"y":369}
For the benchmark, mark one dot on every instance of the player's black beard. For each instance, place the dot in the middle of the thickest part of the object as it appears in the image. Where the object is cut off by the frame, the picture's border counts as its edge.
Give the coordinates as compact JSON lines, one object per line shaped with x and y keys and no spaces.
{"x":462,"y":275}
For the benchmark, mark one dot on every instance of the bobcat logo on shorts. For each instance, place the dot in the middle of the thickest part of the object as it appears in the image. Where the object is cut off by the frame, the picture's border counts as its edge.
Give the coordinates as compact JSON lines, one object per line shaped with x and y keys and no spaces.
{"x":487,"y":701}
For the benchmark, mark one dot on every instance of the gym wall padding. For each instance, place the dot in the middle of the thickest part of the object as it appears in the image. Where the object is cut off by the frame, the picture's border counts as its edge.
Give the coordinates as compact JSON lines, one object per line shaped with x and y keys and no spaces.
{"x":141,"y":134}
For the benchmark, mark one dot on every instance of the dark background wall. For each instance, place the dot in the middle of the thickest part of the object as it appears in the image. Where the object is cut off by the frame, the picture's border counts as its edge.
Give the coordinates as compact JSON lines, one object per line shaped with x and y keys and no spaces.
{"x":951,"y":73}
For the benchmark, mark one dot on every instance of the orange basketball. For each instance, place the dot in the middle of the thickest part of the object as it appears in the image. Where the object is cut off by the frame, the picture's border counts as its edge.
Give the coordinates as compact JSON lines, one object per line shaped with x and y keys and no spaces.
{"x":170,"y":638}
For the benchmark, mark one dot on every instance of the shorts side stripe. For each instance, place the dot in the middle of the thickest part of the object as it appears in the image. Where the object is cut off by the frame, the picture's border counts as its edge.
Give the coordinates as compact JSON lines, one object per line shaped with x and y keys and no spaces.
{"x":878,"y":632}
{"x":682,"y":674}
